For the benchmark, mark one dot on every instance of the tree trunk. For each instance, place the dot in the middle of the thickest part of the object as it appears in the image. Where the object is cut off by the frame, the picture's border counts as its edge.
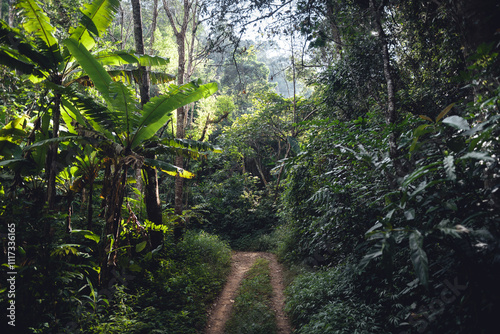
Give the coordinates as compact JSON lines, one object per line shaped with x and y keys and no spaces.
{"x":153,"y":26}
{"x":152,"y":196}
{"x":114,"y":200}
{"x":391,"y":116}
{"x":139,"y":48}
{"x":180,"y":36}
{"x":12,"y":11}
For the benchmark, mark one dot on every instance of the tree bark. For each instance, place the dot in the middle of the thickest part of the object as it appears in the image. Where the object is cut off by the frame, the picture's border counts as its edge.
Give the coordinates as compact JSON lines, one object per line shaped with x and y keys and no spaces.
{"x":11,"y":4}
{"x":152,"y":194}
{"x":180,"y":32}
{"x":391,"y":115}
{"x":153,"y":26}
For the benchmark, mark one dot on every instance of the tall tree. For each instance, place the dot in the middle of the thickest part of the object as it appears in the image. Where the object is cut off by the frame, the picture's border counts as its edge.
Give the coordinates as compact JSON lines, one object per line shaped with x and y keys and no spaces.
{"x":181,"y":25}
{"x":152,"y":195}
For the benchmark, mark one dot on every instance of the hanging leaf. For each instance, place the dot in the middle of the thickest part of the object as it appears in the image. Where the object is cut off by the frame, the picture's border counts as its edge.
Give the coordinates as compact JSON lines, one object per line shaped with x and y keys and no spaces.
{"x":147,"y":60}
{"x":91,"y":66}
{"x":116,"y":58}
{"x":169,"y":168}
{"x":427,"y":118}
{"x":444,"y":112}
{"x":419,"y":257}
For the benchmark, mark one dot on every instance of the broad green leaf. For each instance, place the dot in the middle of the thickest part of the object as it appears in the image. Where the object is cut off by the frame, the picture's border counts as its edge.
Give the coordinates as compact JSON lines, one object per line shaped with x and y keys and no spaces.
{"x":157,"y":111}
{"x":444,"y":112}
{"x":70,"y":115}
{"x":19,"y":63}
{"x":91,"y":66}
{"x":10,"y":162}
{"x":37,"y":22}
{"x":8,"y":149}
{"x":88,"y":235}
{"x":147,"y":60}
{"x":97,"y":16}
{"x":168,"y":168}
{"x":135,"y":267}
{"x":17,"y":52}
{"x":15,"y":127}
{"x":140,"y":246}
{"x":132,"y":76}
{"x":422,"y":129}
{"x":191,"y":144}
{"x":419,"y":257}
{"x":116,"y":58}
{"x":449,"y":167}
{"x":123,"y":102}
{"x":376,"y":252}
{"x":97,"y":115}
{"x":457,"y":122}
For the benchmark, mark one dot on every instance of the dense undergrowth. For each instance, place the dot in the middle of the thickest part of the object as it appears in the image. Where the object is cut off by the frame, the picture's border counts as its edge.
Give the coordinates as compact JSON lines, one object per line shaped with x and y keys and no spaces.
{"x":252,"y":312}
{"x":167,"y":292}
{"x":418,"y":256}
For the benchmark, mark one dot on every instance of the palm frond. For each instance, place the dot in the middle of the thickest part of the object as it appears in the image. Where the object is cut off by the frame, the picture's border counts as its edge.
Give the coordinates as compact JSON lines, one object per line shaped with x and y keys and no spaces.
{"x":116,"y":58}
{"x":147,"y":60}
{"x":133,"y":76}
{"x":86,"y":112}
{"x":125,"y":111}
{"x":16,"y":46}
{"x":96,"y":18}
{"x":157,"y":111}
{"x":190,"y":144}
{"x":8,"y":59}
{"x":36,"y":22}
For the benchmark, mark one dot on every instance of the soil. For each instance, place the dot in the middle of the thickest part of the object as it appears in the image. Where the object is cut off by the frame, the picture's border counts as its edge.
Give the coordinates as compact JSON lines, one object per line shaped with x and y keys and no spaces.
{"x":240,"y":264}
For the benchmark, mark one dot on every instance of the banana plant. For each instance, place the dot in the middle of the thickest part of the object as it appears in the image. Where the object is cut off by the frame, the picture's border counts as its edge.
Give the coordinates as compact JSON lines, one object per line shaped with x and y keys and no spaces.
{"x":122,"y":129}
{"x":36,"y":52}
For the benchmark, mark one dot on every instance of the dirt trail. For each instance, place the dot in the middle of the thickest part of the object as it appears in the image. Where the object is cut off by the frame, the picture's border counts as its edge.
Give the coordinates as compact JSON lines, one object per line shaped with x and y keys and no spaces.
{"x":240,"y":264}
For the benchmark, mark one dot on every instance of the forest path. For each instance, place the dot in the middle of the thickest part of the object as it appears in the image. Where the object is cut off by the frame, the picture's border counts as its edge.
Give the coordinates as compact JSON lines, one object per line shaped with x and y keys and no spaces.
{"x":240,"y":264}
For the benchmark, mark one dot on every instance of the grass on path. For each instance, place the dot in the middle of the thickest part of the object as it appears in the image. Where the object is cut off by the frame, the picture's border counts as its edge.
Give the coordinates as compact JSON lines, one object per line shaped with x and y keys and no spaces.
{"x":252,"y":313}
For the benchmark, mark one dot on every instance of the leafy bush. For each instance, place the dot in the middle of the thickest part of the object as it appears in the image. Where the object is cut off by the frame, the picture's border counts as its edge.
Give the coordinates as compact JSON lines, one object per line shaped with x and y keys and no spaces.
{"x":171,"y":293}
{"x":327,"y":302}
{"x":235,"y":209}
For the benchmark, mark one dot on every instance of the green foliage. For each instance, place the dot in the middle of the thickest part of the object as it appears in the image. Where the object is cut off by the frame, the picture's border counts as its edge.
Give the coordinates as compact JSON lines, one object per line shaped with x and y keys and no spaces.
{"x":327,"y":302}
{"x":235,"y":209}
{"x":252,"y":313}
{"x":409,"y":234}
